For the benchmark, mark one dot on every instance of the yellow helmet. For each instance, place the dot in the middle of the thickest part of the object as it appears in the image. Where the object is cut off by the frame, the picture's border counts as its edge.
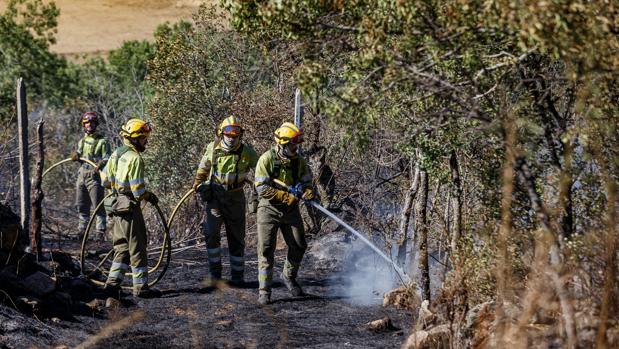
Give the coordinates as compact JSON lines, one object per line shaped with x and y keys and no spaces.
{"x":288,"y":133}
{"x":135,"y":128}
{"x":230,"y":126}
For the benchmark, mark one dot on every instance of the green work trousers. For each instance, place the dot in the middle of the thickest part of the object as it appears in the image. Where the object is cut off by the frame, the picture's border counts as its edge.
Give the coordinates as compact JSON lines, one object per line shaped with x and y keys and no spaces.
{"x":226,"y":208}
{"x":88,"y":194}
{"x":129,"y":240}
{"x":271,"y":218}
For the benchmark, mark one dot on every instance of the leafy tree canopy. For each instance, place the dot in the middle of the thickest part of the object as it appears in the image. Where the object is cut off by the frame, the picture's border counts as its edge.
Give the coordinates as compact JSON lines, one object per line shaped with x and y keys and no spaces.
{"x":27,"y":29}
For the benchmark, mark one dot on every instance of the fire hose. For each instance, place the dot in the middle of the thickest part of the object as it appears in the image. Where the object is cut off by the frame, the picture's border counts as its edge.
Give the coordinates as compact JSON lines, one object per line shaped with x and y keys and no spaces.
{"x":336,"y":219}
{"x":167,"y":240}
{"x":65,"y":161}
{"x":166,"y":245}
{"x":180,"y":202}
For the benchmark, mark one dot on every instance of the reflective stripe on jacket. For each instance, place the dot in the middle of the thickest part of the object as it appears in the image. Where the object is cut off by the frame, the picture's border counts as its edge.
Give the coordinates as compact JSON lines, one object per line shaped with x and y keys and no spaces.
{"x":230,"y":169}
{"x":125,"y":175}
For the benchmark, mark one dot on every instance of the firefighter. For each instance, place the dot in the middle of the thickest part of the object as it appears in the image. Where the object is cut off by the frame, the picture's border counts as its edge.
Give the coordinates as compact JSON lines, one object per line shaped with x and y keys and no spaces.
{"x":278,"y":208}
{"x":219,"y":181}
{"x":124,"y":174}
{"x":89,"y":192}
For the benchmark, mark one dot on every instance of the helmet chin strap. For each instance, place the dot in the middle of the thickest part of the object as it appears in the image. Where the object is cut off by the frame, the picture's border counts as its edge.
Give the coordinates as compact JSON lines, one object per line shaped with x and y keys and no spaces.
{"x":285,"y":151}
{"x":89,"y":132}
{"x":140,"y":148}
{"x":231,"y":143}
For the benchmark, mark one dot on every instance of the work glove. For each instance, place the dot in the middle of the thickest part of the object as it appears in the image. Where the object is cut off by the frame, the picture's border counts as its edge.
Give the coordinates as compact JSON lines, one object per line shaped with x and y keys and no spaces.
{"x":75,"y":156}
{"x":297,"y":190}
{"x":196,"y":185}
{"x":202,"y":187}
{"x":204,"y":190}
{"x":100,"y":165}
{"x":308,"y":194}
{"x":149,"y":196}
{"x":286,"y":197}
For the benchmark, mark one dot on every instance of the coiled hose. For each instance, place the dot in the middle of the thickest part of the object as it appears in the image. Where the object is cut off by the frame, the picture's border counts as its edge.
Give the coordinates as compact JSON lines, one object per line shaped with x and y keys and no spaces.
{"x":166,"y":246}
{"x":167,"y":242}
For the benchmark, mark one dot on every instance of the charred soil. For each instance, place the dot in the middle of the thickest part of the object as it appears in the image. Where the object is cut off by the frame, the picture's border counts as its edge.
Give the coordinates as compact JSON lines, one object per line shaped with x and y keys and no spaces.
{"x":191,"y":314}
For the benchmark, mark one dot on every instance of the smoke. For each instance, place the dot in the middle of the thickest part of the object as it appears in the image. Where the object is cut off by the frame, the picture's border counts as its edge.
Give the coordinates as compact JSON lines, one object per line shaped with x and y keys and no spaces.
{"x":366,"y":277}
{"x":358,"y":274}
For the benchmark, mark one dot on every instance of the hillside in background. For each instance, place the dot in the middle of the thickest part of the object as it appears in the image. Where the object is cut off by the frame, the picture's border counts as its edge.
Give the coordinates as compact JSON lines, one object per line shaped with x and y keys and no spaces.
{"x":97,"y":26}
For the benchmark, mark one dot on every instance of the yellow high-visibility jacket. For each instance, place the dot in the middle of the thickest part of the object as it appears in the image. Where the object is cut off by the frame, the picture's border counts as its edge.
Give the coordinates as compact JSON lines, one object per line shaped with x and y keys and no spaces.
{"x":231,"y":168}
{"x":124,"y":172}
{"x":291,"y":172}
{"x":94,"y":147}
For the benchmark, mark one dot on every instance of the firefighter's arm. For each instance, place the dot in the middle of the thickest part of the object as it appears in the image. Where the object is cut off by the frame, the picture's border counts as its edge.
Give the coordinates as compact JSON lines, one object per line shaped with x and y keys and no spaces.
{"x":76,"y":154}
{"x":204,"y":167}
{"x":253,"y":161}
{"x":136,"y":179}
{"x":106,"y":152}
{"x":264,"y":187}
{"x":105,"y":178}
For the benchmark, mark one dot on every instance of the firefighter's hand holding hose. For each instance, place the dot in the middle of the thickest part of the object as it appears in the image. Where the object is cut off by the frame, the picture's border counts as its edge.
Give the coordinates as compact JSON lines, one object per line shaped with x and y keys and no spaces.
{"x":308,"y":194}
{"x":149,"y":196}
{"x":203,"y":190}
{"x":297,"y":191}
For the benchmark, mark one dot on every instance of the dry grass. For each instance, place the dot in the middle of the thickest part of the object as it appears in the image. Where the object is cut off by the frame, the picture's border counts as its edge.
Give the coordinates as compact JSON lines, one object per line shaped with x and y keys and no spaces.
{"x":111,"y":329}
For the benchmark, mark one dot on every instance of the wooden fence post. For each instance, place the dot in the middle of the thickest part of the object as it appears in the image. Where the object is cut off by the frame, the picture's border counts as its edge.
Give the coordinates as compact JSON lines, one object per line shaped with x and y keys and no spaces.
{"x":298,"y":111}
{"x":24,"y":170}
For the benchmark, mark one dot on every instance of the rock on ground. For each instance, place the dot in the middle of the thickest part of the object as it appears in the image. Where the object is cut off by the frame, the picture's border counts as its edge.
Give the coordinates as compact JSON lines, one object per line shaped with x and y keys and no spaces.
{"x":402,"y":297}
{"x":438,"y":337}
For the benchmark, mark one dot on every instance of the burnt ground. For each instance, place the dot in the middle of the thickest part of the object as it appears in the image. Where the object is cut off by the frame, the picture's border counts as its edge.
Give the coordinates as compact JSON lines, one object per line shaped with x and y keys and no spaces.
{"x":192,"y":315}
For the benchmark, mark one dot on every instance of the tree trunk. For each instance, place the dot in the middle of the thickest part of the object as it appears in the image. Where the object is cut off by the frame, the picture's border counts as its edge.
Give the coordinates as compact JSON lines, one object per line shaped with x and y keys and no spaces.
{"x":298,"y":113}
{"x":37,"y":194}
{"x":610,"y":256}
{"x":566,"y":214}
{"x":504,"y":263}
{"x":554,"y":130}
{"x":554,"y":271}
{"x":457,"y":201}
{"x":422,"y":232}
{"x":405,"y":217}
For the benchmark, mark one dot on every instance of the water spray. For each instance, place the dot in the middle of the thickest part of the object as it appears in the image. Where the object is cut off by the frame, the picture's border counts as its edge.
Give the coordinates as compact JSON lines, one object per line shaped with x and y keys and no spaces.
{"x":405,"y":278}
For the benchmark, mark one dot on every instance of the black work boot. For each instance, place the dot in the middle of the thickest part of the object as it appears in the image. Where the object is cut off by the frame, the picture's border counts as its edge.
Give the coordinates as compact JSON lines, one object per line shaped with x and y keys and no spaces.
{"x":147,"y":293}
{"x":292,"y":285}
{"x":214,"y":280}
{"x":237,"y":281}
{"x":264,"y":298}
{"x":114,"y":291}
